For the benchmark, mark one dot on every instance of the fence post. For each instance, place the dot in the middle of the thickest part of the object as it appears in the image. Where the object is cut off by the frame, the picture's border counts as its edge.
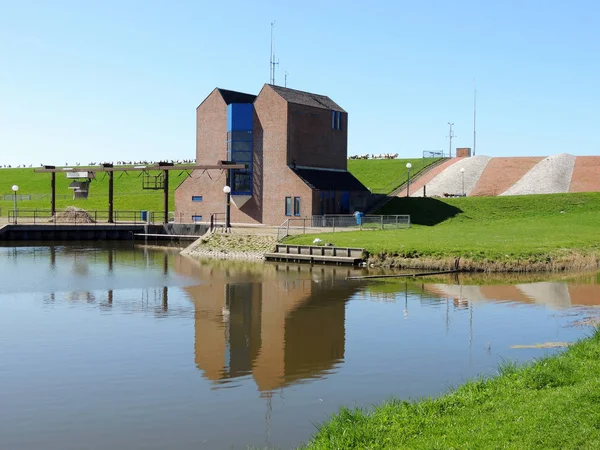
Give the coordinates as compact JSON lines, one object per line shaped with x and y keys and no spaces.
{"x":303,"y":226}
{"x":333,"y":222}
{"x":382,"y":222}
{"x":287,"y":231}
{"x":396,"y":222}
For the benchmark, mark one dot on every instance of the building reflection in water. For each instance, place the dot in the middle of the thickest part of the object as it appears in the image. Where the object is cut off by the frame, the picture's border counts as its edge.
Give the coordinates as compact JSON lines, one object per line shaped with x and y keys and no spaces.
{"x":278,"y":323}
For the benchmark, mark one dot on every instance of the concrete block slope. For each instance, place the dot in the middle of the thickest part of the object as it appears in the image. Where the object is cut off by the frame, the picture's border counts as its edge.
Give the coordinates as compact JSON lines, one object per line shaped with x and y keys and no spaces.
{"x":552,"y":175}
{"x":502,"y":173}
{"x":455,"y":182}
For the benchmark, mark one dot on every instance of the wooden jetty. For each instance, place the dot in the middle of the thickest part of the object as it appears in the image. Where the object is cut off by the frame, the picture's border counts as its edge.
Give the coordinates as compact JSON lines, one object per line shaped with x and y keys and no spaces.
{"x":404,"y":275}
{"x":316,"y":254}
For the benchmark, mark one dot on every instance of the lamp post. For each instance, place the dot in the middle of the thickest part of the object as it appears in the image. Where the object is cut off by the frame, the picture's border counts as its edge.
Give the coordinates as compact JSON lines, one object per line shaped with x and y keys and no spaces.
{"x":462,"y":174}
{"x":408,"y":167}
{"x":227,"y":191}
{"x":15,"y":188}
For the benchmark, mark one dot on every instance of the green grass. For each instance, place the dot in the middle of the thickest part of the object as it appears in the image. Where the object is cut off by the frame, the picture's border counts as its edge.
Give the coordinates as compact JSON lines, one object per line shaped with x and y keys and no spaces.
{"x":382,"y":176}
{"x":553,"y":403}
{"x":526,"y":229}
{"x":128,"y":192}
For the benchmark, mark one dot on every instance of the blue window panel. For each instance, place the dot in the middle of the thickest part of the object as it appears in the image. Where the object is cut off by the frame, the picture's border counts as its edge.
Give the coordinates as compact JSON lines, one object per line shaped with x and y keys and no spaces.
{"x":288,"y":206}
{"x":197,"y":198}
{"x":239,"y":116}
{"x":333,"y":120}
{"x":296,"y":206}
{"x":338,"y":120}
{"x":196,"y":218}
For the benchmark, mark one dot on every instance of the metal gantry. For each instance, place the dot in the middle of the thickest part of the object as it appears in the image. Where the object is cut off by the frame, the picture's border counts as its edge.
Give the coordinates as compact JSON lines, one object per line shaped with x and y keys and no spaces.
{"x":165,"y":167}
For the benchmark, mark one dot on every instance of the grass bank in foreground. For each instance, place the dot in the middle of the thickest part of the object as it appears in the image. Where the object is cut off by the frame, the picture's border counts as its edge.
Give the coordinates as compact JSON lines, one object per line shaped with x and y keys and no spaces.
{"x":522,"y":233}
{"x":553,"y":403}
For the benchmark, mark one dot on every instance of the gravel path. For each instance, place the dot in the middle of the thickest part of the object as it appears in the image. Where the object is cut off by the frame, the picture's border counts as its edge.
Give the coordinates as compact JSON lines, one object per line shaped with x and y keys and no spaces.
{"x":550,"y":176}
{"x":450,"y":181}
{"x":231,"y":246}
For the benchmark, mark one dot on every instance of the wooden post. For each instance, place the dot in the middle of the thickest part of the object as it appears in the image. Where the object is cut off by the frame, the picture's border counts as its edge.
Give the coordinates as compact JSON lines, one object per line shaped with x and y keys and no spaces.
{"x":166,"y":195}
{"x":110,"y":196}
{"x":53,"y":194}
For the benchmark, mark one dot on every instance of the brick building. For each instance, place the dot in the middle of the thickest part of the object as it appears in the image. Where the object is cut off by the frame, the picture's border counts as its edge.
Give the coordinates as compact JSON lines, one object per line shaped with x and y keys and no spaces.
{"x":295,"y":145}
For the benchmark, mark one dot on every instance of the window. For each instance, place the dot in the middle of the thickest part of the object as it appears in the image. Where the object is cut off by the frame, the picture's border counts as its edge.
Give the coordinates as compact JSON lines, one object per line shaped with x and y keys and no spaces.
{"x":196,"y":218}
{"x":296,"y":206}
{"x":196,"y":198}
{"x":288,"y":206}
{"x":336,"y":120}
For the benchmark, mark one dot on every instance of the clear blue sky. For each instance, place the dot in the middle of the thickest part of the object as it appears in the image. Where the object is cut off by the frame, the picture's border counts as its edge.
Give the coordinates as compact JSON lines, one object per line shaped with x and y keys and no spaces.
{"x":108,"y":80}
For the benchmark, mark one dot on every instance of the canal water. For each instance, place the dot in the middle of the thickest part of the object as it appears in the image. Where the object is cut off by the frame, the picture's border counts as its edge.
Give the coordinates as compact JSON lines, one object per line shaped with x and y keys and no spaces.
{"x":125,"y":347}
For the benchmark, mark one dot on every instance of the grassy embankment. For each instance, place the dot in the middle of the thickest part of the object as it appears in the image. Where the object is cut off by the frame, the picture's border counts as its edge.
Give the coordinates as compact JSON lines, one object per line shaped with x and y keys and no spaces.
{"x":128,"y":193}
{"x":521,"y":233}
{"x":379,"y":175}
{"x":382,"y":176}
{"x":553,"y":403}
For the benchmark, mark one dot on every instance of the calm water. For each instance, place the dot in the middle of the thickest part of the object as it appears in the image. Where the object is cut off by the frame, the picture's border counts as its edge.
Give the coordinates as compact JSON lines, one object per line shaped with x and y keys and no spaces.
{"x":129,"y":348}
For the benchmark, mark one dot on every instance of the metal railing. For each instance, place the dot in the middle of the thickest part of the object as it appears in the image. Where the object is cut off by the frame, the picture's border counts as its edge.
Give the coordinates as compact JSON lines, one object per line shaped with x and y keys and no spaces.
{"x":80,"y":217}
{"x":330,"y":223}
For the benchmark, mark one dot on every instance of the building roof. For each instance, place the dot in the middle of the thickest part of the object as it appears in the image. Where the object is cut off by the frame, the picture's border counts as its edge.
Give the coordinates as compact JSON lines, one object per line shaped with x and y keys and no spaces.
{"x":329,"y":180}
{"x":236,"y":97}
{"x":306,"y":98}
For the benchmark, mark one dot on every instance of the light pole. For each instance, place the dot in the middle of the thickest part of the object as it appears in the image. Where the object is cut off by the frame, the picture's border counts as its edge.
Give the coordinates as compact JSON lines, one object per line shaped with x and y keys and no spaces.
{"x":227,"y":191}
{"x":408,"y":167}
{"x":462,"y":173}
{"x":15,"y":188}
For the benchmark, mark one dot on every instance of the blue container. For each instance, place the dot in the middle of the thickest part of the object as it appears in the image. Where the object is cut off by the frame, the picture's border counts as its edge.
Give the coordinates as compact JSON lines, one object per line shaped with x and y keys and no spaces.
{"x":144,"y":215}
{"x":358,"y":216}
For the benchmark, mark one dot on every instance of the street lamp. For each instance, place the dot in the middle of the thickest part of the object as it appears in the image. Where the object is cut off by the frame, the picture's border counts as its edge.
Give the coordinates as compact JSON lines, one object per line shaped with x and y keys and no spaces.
{"x":408,"y":167}
{"x":462,"y":173}
{"x":15,"y":188}
{"x":227,"y":191}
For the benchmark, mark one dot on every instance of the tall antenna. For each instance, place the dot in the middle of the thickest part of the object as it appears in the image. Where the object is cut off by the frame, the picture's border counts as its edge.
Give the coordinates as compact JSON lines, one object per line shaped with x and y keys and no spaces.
{"x":272,"y":62}
{"x":450,"y":135}
{"x":474,"y":114}
{"x":285,"y":79}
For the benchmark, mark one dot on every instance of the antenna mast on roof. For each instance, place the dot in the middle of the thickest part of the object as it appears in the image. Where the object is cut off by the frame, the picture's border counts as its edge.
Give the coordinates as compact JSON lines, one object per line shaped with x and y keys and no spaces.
{"x":272,"y":62}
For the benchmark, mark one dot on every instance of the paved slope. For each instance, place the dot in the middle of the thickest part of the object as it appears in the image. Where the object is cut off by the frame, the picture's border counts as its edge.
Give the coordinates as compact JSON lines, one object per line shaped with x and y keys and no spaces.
{"x":550,"y":176}
{"x":418,"y":184}
{"x":586,"y":174}
{"x":501,"y":173}
{"x":453,"y":181}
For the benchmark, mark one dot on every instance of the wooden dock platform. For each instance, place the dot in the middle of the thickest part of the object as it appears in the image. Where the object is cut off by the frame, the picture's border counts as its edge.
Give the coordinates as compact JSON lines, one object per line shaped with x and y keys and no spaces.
{"x":316,"y":254}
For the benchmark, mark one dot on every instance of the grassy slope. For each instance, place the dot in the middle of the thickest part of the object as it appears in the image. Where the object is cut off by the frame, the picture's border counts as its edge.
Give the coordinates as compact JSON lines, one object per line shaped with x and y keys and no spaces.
{"x":533,"y":227}
{"x":385,"y":175}
{"x":129,"y":195}
{"x":553,"y":403}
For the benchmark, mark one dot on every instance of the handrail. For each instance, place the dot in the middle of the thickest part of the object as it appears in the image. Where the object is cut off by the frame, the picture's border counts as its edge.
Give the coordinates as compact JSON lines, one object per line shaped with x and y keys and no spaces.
{"x":429,"y":166}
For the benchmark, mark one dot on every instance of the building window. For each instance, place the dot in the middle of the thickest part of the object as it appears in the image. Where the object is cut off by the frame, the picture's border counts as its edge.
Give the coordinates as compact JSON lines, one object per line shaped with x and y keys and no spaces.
{"x":196,"y":198}
{"x":336,"y":120}
{"x":196,"y":218}
{"x":296,"y":206}
{"x":288,"y":206}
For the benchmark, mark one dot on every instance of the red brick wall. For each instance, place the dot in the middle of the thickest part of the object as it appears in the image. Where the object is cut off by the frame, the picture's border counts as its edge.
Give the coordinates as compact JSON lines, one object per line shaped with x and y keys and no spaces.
{"x":464,"y":152}
{"x":271,"y":142}
{"x":312,"y":142}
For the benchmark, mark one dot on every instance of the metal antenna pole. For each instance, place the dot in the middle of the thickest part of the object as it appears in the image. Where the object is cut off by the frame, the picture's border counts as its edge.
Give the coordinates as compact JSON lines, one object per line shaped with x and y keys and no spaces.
{"x":271,"y":70}
{"x":450,"y":136}
{"x":474,"y":114}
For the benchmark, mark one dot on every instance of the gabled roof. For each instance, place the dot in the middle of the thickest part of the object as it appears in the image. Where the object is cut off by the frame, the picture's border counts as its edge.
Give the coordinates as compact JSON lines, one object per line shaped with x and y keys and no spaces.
{"x":329,"y":180}
{"x":306,"y":98}
{"x":236,"y":97}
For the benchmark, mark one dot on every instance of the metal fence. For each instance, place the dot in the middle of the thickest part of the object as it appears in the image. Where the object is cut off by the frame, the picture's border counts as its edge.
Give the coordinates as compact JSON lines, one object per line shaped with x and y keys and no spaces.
{"x":79,"y":217}
{"x":342,"y":222}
